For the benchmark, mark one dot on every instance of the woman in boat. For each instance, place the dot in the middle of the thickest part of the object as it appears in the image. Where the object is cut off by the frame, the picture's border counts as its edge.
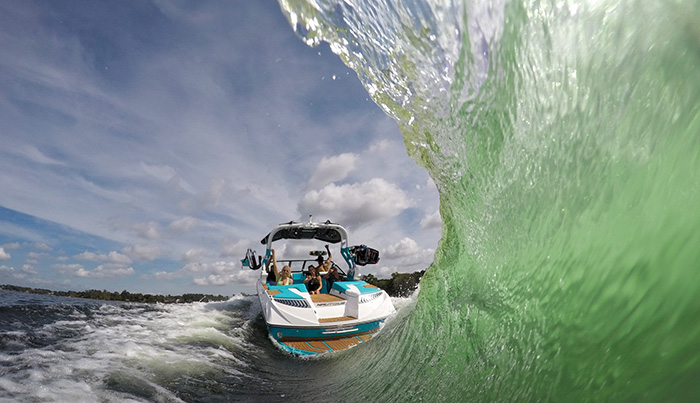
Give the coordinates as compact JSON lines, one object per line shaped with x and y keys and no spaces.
{"x":283,"y":278}
{"x":313,"y":281}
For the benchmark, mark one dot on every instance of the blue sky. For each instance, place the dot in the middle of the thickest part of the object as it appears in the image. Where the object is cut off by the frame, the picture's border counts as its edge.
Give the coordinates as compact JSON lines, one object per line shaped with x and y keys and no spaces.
{"x":145,"y":145}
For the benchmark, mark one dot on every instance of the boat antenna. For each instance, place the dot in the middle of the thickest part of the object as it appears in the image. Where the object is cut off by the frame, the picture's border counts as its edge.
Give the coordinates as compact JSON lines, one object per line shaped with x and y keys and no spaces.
{"x":310,"y":218}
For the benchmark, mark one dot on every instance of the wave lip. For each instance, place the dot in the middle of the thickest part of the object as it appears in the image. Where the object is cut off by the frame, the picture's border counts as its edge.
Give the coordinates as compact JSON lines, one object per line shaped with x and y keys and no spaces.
{"x":563,"y":138}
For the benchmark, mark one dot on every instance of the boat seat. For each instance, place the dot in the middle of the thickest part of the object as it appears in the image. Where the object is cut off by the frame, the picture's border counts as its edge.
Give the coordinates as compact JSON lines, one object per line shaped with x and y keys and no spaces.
{"x":285,"y":291}
{"x":363,"y":287}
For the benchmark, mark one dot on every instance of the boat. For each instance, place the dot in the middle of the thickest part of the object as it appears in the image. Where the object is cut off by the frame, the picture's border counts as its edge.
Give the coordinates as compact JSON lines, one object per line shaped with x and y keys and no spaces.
{"x":345,"y":312}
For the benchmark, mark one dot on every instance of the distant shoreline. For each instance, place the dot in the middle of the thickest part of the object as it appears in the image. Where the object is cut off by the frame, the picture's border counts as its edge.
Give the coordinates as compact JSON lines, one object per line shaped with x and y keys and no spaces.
{"x":399,"y":285}
{"x":123,"y":296}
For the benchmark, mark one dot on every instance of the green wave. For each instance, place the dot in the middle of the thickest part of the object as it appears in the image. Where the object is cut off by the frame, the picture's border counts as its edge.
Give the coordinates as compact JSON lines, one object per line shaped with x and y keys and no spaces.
{"x":564,"y":138}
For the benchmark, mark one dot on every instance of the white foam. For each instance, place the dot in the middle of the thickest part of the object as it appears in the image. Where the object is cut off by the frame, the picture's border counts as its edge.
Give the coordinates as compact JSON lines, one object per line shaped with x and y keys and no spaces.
{"x":95,"y":357}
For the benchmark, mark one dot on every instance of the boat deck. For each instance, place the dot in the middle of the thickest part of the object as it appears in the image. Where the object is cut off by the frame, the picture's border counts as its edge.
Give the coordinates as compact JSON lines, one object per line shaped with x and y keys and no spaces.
{"x":325,"y":346}
{"x":337,"y":319}
{"x":321,"y":298}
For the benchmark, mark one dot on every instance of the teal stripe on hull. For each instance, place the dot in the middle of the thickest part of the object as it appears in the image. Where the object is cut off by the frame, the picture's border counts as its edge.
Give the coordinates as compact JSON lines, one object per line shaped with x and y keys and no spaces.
{"x":321,"y":333}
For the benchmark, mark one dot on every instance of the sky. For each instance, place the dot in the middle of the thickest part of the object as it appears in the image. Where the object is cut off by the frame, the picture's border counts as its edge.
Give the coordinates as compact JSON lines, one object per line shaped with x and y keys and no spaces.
{"x":146,"y":144}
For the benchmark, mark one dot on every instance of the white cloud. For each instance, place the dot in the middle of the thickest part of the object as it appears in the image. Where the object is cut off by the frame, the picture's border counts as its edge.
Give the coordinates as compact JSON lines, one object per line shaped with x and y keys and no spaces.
{"x":354,"y":205}
{"x":223,"y":273}
{"x":35,"y":155}
{"x":384,"y":272}
{"x":110,"y":270}
{"x":332,"y":169}
{"x":70,"y":269}
{"x":215,"y":193}
{"x":4,"y":255}
{"x":431,"y":221}
{"x":107,"y":270}
{"x":148,"y":230}
{"x":142,"y":252}
{"x":192,"y":255}
{"x":183,"y":224}
{"x":12,"y":273}
{"x":237,"y":249}
{"x":208,"y":199}
{"x":403,"y":248}
{"x":406,"y":255}
{"x":216,"y":273}
{"x":380,"y":146}
{"x":34,"y":257}
{"x":162,"y":172}
{"x":165,"y":275}
{"x":10,"y":246}
{"x":112,"y":257}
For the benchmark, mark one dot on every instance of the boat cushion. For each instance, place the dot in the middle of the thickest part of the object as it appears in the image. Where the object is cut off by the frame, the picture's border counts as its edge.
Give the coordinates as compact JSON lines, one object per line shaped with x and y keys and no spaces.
{"x":343,"y":286}
{"x":286,"y":291}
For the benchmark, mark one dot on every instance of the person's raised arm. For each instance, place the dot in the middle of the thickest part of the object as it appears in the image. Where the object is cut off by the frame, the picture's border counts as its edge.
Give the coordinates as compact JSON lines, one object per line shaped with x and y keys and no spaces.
{"x":328,"y":261}
{"x":274,"y":266}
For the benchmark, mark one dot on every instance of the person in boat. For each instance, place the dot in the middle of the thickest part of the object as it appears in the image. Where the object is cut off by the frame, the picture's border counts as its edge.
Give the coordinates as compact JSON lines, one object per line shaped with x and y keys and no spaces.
{"x":313,"y":281}
{"x":332,"y":276}
{"x":324,"y":266}
{"x":283,"y":278}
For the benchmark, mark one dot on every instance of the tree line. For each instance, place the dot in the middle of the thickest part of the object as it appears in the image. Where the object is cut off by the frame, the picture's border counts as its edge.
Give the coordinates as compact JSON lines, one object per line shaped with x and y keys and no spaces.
{"x":124,"y":296}
{"x":399,"y":285}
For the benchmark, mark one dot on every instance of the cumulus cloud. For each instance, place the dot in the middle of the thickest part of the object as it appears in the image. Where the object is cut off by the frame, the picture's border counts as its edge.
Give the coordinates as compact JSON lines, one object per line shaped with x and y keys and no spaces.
{"x":332,"y":169}
{"x":405,"y":247}
{"x":193,"y":254}
{"x":142,"y":252}
{"x":34,"y":257}
{"x":4,"y":255}
{"x":42,"y":246}
{"x":407,"y":254}
{"x":216,"y":273}
{"x":380,"y":146}
{"x":431,"y":221}
{"x":223,"y":273}
{"x":102,"y":271}
{"x":9,"y":271}
{"x":148,"y":230}
{"x":356,"y":204}
{"x":112,"y":257}
{"x":10,"y":246}
{"x":384,"y":272}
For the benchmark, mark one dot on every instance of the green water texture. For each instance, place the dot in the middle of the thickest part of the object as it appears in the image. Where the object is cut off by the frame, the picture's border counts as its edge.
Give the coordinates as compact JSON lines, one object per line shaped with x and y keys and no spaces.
{"x":564,"y":139}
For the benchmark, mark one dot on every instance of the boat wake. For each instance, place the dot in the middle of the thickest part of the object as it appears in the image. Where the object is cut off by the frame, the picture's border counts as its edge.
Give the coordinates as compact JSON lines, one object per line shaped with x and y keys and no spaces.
{"x":62,"y":349}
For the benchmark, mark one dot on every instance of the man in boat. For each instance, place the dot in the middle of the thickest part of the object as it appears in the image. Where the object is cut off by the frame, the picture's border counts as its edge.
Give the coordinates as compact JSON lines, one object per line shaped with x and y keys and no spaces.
{"x":324,"y":266}
{"x":332,"y":276}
